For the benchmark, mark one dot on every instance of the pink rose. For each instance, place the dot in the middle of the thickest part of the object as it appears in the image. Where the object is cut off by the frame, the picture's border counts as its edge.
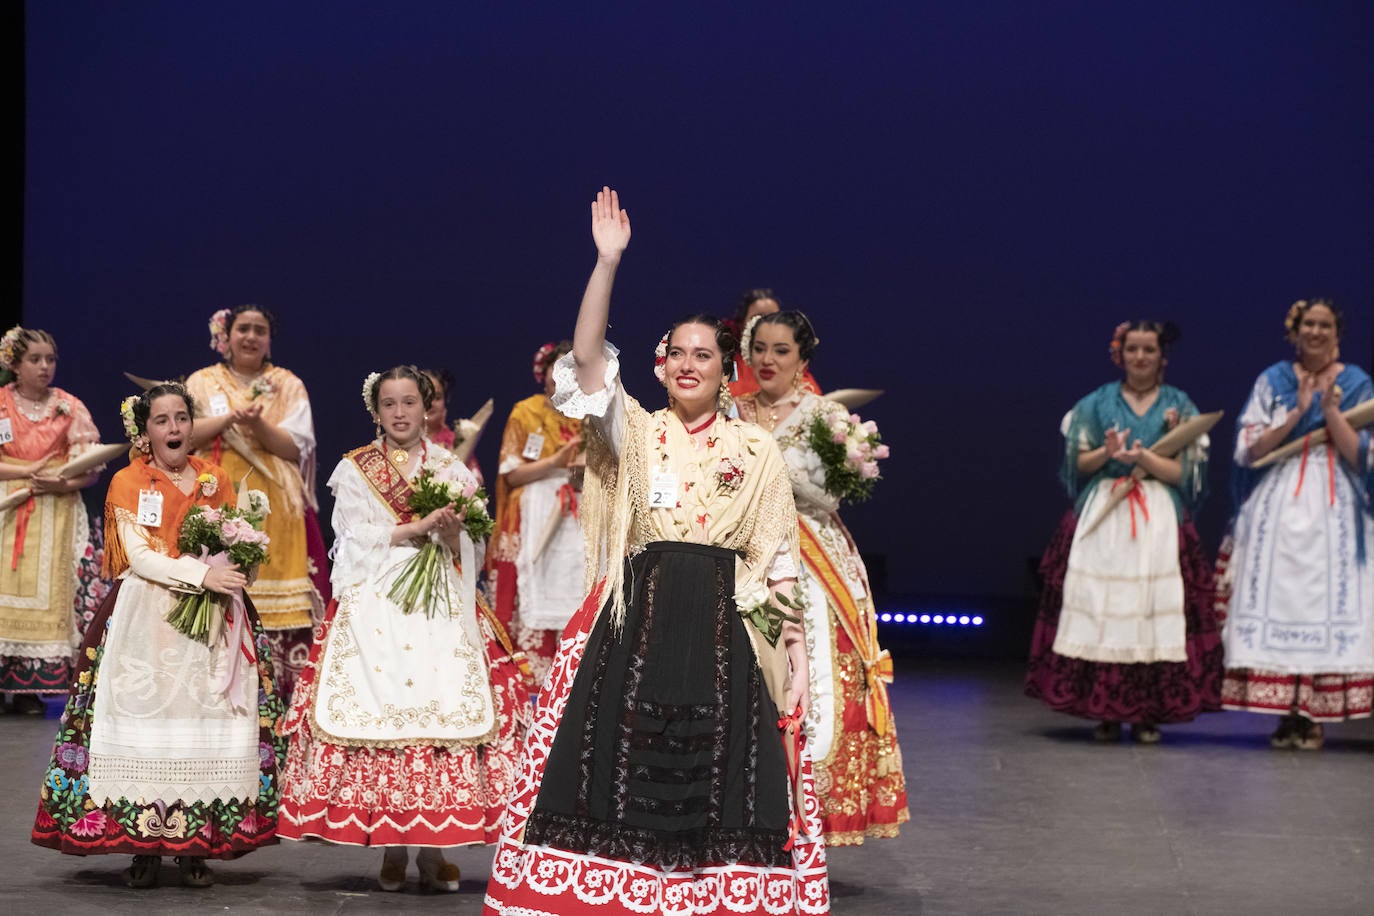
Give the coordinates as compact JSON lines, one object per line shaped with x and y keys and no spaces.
{"x":869,"y":470}
{"x":881,"y":452}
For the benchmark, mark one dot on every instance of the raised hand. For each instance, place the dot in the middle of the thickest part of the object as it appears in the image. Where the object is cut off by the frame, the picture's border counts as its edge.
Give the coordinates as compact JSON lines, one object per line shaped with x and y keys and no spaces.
{"x":610,"y":225}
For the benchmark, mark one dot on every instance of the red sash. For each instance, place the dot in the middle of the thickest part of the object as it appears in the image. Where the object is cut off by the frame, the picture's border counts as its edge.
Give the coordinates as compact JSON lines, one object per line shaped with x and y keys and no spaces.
{"x":390,"y":485}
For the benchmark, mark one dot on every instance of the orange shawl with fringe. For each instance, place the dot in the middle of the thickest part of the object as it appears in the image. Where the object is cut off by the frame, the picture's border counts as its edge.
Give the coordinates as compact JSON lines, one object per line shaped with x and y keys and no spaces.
{"x":122,"y":498}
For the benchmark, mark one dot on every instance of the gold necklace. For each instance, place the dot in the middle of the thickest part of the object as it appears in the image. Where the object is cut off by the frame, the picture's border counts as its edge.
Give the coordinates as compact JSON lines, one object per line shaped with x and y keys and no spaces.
{"x":772,"y":409}
{"x":174,"y":476}
{"x":399,"y":456}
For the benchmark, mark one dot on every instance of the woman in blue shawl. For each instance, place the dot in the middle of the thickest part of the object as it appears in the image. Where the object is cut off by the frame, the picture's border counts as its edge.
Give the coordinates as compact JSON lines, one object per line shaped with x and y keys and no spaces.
{"x":1298,"y":634}
{"x":1126,"y":630}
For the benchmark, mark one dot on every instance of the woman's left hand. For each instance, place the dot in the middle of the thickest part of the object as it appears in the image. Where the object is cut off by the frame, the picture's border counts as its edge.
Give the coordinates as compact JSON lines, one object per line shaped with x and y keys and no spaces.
{"x":798,"y":692}
{"x":250,"y":416}
{"x":41,"y":484}
{"x":445,"y":523}
{"x":1331,"y":399}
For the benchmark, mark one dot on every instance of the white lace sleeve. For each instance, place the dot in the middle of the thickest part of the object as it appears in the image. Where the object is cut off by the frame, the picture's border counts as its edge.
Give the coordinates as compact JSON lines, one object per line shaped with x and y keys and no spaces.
{"x":605,"y":409}
{"x":148,"y":563}
{"x":1261,"y":414}
{"x":362,"y":532}
{"x":300,"y":426}
{"x":782,"y":566}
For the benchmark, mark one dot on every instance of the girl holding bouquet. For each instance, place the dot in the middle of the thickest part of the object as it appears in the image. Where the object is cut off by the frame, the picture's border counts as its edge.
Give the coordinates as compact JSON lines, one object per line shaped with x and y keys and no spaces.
{"x":535,"y":565}
{"x":168,"y":744}
{"x":249,"y":401}
{"x":1127,"y":630}
{"x":407,"y":721}
{"x":858,"y":762}
{"x":41,"y":428}
{"x":664,"y":771}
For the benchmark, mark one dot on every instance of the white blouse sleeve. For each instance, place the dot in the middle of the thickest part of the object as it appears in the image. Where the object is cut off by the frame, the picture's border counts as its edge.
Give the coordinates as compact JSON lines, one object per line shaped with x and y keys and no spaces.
{"x":362,"y":528}
{"x":1262,"y":413}
{"x":604,"y":409}
{"x":148,"y":563}
{"x":782,"y":566}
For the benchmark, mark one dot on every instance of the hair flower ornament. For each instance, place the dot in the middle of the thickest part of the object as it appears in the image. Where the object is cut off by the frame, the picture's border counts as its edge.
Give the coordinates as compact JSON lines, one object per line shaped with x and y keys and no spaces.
{"x":219,"y":331}
{"x":369,"y":384}
{"x":661,"y":359}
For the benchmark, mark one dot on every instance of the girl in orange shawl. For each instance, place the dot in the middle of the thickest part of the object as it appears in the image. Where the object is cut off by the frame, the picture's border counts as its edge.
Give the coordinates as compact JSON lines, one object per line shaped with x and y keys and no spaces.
{"x":168,"y":746}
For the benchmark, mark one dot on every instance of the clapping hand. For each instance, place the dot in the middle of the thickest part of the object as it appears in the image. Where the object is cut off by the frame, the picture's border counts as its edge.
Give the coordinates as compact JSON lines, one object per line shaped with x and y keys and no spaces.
{"x":1307,"y":387}
{"x":1114,"y":442}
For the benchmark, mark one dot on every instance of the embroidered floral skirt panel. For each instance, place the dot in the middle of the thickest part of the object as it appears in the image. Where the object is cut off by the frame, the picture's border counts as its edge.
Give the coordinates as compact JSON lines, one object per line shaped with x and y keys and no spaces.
{"x":1157,"y":692}
{"x":205,"y":825}
{"x":655,"y":779}
{"x":422,"y":795}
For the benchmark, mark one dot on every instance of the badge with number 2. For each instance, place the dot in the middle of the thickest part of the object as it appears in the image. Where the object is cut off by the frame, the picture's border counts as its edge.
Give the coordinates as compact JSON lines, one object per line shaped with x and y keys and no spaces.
{"x":663,"y":489}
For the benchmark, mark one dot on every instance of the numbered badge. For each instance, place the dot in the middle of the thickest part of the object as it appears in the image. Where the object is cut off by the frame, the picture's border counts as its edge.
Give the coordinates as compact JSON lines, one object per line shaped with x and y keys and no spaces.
{"x":663,"y":489}
{"x":534,"y":446}
{"x":6,"y":431}
{"x":219,"y":404}
{"x":150,"y":508}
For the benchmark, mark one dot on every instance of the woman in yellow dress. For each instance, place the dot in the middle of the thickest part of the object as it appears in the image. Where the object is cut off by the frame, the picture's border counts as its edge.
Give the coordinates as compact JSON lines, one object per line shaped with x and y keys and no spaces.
{"x":250,"y":404}
{"x":41,"y":428}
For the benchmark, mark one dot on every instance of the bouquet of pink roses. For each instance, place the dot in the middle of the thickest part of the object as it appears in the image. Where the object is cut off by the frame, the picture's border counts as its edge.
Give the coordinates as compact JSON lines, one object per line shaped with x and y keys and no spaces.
{"x":422,"y":580}
{"x":849,"y":449}
{"x":219,"y":536}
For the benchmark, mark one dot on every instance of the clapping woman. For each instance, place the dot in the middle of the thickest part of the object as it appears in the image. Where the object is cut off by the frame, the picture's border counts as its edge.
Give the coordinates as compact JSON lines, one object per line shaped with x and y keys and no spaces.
{"x":1126,"y":631}
{"x":267,"y":411}
{"x":1300,"y":619}
{"x":41,"y":428}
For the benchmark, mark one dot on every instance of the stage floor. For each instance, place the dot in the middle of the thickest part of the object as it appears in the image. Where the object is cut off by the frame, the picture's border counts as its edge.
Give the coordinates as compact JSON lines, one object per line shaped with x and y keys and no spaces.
{"x":1015,"y":810}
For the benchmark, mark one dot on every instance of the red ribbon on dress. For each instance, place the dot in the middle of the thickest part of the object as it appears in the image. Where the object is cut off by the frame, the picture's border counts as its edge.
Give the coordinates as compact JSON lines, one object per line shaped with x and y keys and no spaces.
{"x":567,"y":500}
{"x":1330,"y":469}
{"x":1136,"y":497}
{"x":793,"y":734}
{"x":217,"y":451}
{"x":21,"y":528}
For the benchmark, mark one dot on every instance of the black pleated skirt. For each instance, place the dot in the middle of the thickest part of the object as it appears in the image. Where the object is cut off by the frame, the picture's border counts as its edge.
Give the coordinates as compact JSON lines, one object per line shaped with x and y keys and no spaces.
{"x":668,"y":753}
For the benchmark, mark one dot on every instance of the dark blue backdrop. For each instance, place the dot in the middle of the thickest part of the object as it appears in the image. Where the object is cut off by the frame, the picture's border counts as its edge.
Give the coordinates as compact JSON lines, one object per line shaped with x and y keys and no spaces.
{"x":965,"y":197}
